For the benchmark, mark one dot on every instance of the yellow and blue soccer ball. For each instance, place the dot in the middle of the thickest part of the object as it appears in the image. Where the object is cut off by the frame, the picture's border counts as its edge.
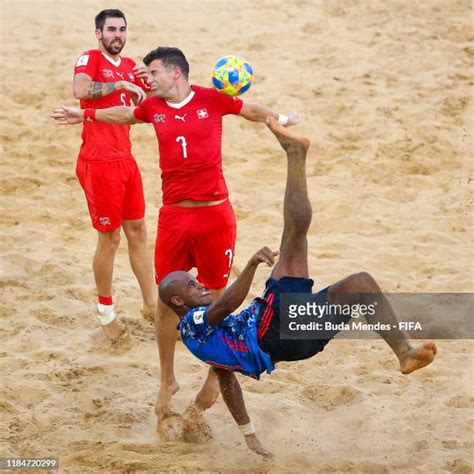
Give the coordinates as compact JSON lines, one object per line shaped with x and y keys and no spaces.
{"x":232,"y":75}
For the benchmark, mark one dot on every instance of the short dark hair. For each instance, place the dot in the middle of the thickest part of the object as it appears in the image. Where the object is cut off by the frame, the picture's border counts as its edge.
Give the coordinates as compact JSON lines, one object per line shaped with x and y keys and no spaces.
{"x":104,"y":14}
{"x":169,"y":57}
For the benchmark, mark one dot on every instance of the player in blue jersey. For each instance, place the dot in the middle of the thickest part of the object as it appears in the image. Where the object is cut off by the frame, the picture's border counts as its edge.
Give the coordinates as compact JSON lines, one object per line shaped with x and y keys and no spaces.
{"x":250,"y":342}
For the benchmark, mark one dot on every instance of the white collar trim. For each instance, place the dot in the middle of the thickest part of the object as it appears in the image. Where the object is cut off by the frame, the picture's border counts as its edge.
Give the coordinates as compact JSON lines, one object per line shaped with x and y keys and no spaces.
{"x":183,"y":103}
{"x":115,"y":63}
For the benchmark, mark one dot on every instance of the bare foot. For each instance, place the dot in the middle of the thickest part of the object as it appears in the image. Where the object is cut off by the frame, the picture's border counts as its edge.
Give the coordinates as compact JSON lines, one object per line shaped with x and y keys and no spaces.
{"x":254,"y":444}
{"x":114,"y":331}
{"x":163,"y":399}
{"x":209,"y":392}
{"x":417,"y":358}
{"x":148,"y":313}
{"x":287,"y":139}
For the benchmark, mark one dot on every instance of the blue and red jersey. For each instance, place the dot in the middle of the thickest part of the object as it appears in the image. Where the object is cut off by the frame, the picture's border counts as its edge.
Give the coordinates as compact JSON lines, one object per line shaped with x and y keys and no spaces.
{"x":232,"y":344}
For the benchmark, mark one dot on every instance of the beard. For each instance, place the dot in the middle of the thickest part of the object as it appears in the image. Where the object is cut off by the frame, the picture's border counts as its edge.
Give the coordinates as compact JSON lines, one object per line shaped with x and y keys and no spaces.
{"x":113,"y":47}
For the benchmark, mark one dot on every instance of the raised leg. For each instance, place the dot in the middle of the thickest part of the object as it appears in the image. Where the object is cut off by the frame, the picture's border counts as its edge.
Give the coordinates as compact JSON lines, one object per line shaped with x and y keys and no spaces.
{"x":297,"y":210}
{"x":361,"y":288}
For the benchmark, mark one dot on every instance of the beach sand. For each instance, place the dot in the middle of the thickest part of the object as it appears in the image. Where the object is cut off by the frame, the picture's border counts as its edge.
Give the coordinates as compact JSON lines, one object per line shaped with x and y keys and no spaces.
{"x":386,"y":91}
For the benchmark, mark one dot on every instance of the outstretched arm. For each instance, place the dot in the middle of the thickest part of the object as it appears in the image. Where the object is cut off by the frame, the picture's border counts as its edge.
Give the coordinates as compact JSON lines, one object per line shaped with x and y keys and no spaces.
{"x":233,"y":297}
{"x":85,"y":88}
{"x":234,"y":399}
{"x":73,"y":115}
{"x":259,"y":113}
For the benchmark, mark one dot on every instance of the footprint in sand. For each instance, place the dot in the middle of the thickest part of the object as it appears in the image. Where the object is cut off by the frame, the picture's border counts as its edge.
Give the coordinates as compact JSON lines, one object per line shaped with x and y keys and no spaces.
{"x":271,"y":386}
{"x":48,"y":316}
{"x":7,"y":408}
{"x":73,"y":375}
{"x":141,"y":448}
{"x":331,"y":397}
{"x":461,"y":466}
{"x":139,"y":328}
{"x":461,"y":401}
{"x":454,"y":106}
{"x":450,"y":444}
{"x":99,"y":343}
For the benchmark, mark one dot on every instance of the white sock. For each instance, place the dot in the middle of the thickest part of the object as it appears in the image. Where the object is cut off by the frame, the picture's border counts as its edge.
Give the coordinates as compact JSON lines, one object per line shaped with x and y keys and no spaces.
{"x":105,"y":313}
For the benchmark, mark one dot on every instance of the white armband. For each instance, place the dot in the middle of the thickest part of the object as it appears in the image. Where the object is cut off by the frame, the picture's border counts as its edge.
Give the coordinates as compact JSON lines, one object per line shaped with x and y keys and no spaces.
{"x":247,"y":429}
{"x":282,"y":119}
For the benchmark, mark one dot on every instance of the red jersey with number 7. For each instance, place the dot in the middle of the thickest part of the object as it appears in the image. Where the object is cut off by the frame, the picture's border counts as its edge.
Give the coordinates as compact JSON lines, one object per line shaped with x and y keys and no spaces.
{"x":103,"y":141}
{"x":190,"y":143}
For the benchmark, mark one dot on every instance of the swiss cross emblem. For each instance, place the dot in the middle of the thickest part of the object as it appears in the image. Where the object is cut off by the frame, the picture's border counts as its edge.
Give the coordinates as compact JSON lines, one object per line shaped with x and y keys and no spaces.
{"x":104,"y":221}
{"x":107,"y":73}
{"x":202,"y":114}
{"x":159,"y":118}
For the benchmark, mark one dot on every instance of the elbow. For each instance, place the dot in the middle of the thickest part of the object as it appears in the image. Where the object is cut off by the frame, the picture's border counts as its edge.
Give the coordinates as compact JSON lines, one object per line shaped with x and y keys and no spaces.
{"x":253,"y":114}
{"x":80,"y":94}
{"x":229,"y":307}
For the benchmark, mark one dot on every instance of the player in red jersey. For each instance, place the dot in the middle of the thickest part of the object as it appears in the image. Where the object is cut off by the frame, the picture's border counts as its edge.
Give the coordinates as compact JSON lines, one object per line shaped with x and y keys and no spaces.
{"x":106,"y":167}
{"x":196,"y":225}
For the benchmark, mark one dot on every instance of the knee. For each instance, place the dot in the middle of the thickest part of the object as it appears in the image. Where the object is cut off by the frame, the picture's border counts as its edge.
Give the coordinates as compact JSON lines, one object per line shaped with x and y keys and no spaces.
{"x":301,"y":218}
{"x":136,"y":231}
{"x":109,"y":241}
{"x":165,"y":316}
{"x":225,"y":377}
{"x":364,"y":282}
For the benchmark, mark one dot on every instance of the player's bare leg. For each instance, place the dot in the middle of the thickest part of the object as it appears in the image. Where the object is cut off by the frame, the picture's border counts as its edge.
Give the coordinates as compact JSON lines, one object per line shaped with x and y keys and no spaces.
{"x":141,"y":263}
{"x":297,"y":212}
{"x":103,"y":267}
{"x":293,"y":259}
{"x":166,"y":333}
{"x":234,"y":399}
{"x":366,"y":290}
{"x":209,"y":392}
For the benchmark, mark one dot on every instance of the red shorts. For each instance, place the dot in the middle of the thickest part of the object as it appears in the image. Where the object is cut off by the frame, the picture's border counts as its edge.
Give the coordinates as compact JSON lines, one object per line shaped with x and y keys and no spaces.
{"x":201,"y":237}
{"x":113,"y":190}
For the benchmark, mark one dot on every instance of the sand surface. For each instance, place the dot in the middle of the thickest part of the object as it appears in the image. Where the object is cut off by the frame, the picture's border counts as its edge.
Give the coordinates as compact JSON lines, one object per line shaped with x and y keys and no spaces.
{"x":386,"y":91}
